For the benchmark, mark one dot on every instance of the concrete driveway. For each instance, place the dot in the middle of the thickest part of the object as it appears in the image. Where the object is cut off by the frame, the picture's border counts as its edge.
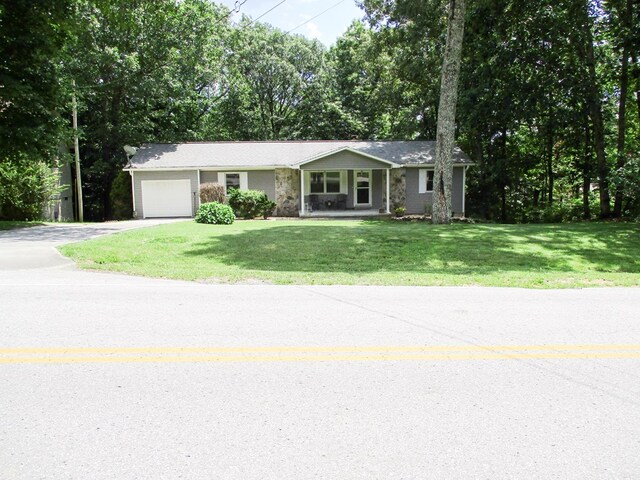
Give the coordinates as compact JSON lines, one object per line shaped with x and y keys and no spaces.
{"x":34,"y":248}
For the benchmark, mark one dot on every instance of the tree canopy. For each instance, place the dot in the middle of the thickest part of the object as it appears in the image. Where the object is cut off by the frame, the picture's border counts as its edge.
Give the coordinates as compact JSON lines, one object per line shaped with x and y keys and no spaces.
{"x":548,"y":104}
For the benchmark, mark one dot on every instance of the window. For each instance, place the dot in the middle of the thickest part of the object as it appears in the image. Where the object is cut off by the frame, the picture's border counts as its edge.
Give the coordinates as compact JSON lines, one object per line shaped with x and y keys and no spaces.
{"x":429,"y":180}
{"x":425,"y":181}
{"x":325,"y":182}
{"x":317,"y":182}
{"x":232,"y":181}
{"x":333,"y":182}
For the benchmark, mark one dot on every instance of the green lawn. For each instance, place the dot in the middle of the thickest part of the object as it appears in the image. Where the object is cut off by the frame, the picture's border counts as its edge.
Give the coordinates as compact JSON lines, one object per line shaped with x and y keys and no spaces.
{"x":374,"y":253}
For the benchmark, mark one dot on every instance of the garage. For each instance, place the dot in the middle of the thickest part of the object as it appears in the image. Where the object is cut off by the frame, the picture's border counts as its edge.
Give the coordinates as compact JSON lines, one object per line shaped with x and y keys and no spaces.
{"x":166,"y":198}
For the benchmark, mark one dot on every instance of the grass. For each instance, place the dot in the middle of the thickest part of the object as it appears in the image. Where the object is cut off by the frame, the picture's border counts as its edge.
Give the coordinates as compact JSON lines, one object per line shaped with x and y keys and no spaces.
{"x":374,"y":252}
{"x":11,"y":224}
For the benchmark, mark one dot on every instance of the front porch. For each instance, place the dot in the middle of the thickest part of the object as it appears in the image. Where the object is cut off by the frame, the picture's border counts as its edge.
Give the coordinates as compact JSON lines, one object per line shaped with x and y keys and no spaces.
{"x":344,"y":183}
{"x":344,"y":192}
{"x":343,"y":213}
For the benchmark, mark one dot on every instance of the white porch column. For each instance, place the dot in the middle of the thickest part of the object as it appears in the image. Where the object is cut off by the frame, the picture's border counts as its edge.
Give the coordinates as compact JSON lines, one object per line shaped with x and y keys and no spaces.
{"x":198,"y":194}
{"x":388,"y":190}
{"x":301,"y":192}
{"x":464,"y":187}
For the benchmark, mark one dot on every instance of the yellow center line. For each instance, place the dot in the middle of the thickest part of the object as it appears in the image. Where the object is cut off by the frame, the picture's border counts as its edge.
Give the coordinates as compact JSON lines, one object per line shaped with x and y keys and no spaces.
{"x":61,"y":355}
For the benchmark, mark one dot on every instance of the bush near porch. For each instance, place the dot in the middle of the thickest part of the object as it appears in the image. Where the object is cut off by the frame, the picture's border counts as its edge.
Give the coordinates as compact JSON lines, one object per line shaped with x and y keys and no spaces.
{"x":374,"y":252}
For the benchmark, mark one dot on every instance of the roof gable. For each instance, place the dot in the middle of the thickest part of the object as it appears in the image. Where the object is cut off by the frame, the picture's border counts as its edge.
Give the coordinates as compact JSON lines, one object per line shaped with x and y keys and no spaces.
{"x":341,"y":159}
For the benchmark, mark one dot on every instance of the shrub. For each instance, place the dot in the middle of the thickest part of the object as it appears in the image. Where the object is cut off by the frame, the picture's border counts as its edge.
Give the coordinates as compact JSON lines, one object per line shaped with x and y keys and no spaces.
{"x":627,"y":179}
{"x":558,"y":212}
{"x":26,"y":187}
{"x":267,"y":207}
{"x":248,"y":204}
{"x":121,"y":198}
{"x":211,"y":192}
{"x":215,"y":213}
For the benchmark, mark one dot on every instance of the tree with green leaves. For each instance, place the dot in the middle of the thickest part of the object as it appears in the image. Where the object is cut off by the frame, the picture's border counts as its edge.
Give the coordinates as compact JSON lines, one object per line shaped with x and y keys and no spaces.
{"x":33,"y":103}
{"x":32,"y":99}
{"x":277,"y":73}
{"x":145,"y":71}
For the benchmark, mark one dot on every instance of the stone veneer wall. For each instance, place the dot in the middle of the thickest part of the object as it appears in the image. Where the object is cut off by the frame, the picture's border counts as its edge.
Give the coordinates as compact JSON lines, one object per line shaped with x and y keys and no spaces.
{"x":398,"y":188}
{"x":287,"y":192}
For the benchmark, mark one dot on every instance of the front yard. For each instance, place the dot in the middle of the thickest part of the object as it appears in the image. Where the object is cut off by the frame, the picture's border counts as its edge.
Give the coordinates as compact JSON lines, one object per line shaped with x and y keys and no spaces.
{"x":374,"y":252}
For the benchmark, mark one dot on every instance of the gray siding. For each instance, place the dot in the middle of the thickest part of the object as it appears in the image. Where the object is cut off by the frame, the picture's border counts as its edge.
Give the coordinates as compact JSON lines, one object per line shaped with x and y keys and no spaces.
{"x":208,"y":177}
{"x":377,"y":188}
{"x":138,"y":177}
{"x":344,"y":160}
{"x":264,"y":180}
{"x":416,"y":202}
{"x":457,"y":190}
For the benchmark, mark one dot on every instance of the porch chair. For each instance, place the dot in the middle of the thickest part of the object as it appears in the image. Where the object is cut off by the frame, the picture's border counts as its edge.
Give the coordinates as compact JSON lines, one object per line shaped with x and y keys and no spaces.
{"x":314,"y":201}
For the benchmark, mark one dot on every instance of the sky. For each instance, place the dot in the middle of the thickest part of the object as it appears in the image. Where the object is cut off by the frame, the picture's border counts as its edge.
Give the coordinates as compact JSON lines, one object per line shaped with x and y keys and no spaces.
{"x":326,"y":28}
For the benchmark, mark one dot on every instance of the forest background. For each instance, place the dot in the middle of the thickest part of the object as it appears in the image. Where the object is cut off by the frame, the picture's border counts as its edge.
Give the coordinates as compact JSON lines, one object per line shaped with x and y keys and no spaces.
{"x":548,"y":108}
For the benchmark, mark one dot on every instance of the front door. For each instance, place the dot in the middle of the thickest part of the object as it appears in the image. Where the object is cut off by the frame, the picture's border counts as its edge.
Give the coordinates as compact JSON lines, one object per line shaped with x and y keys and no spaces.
{"x":362,"y":187}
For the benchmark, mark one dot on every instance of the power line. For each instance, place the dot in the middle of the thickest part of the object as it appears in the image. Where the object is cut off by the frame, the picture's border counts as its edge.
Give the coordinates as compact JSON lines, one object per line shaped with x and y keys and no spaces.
{"x":237,"y":5}
{"x":272,"y":8}
{"x":235,"y":9}
{"x":313,"y":18}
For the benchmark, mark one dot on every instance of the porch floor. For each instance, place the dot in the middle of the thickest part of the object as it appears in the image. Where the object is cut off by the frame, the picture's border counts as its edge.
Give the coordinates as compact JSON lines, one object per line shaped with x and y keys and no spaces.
{"x":343,"y":213}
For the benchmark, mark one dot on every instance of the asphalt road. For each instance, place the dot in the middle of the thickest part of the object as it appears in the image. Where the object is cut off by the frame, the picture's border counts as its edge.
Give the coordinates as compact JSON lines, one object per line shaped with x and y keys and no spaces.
{"x":108,"y":376}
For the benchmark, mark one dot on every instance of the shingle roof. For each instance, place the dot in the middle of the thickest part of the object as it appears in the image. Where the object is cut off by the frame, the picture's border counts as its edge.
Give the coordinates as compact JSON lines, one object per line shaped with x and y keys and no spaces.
{"x":277,"y":154}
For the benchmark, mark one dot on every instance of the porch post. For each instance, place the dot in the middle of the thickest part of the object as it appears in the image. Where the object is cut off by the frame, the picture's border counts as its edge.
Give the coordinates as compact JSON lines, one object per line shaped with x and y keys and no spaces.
{"x":198,"y":195}
{"x":301,"y":192}
{"x":464,"y":186}
{"x":388,"y":209}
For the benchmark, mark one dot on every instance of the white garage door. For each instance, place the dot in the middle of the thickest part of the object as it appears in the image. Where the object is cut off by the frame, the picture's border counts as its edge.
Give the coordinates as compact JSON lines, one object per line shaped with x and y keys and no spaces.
{"x":166,"y":198}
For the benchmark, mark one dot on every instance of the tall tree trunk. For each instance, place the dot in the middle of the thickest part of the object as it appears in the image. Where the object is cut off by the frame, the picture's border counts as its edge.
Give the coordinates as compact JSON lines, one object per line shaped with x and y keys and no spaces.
{"x":445,"y":135}
{"x":636,"y":76}
{"x":594,"y":102}
{"x":586,"y":175}
{"x":550,"y":168}
{"x":503,"y":175}
{"x":622,"y":107}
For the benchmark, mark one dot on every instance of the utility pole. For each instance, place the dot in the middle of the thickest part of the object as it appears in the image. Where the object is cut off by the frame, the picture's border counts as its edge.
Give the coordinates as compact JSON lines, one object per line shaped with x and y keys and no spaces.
{"x":76,"y":149}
